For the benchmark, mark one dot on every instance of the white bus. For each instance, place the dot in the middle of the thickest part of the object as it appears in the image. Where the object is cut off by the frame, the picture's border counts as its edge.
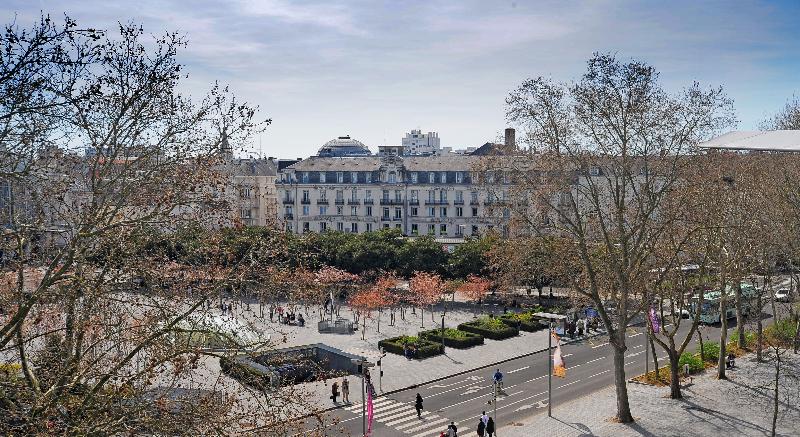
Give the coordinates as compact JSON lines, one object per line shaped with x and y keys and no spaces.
{"x":710,"y":311}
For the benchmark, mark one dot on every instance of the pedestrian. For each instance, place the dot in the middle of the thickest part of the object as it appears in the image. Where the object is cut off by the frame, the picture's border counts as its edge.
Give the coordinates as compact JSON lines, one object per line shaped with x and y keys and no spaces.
{"x":334,"y":391}
{"x":481,"y":428}
{"x":345,"y":390}
{"x":452,"y":430}
{"x":484,"y":418}
{"x":586,"y":326}
{"x":490,"y":427}
{"x":418,"y":406}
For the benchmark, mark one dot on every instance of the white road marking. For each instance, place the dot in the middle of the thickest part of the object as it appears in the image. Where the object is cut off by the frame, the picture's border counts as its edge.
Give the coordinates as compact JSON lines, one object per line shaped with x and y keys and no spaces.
{"x":599,"y":345}
{"x":604,"y":371}
{"x":517,"y":370}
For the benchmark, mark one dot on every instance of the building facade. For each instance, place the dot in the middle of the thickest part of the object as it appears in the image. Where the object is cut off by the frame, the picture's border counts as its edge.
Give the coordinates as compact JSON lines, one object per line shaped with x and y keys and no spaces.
{"x":441,"y":196}
{"x":418,"y":143}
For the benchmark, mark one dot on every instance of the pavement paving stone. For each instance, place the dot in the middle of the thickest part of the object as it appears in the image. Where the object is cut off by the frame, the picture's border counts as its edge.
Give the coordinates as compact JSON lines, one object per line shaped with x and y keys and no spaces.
{"x":740,"y":406}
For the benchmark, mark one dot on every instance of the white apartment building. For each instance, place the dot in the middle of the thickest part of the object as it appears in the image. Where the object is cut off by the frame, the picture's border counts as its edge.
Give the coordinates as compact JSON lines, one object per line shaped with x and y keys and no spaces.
{"x":439,"y":196}
{"x":418,"y":143}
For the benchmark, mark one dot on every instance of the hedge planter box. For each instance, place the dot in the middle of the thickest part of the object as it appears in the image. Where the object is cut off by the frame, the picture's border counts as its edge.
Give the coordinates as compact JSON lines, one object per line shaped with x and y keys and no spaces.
{"x":424,"y":348}
{"x":453,"y":338}
{"x":490,"y":328}
{"x":523,"y":321}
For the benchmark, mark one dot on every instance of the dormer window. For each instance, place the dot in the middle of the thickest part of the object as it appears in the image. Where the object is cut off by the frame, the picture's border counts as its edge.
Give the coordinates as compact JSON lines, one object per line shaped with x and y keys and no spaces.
{"x":322,"y":177}
{"x":392,"y":177}
{"x":413,"y":177}
{"x":431,"y":177}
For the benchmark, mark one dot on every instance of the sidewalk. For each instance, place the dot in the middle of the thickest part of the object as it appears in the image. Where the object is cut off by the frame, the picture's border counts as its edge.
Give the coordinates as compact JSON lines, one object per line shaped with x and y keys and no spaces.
{"x":740,"y":406}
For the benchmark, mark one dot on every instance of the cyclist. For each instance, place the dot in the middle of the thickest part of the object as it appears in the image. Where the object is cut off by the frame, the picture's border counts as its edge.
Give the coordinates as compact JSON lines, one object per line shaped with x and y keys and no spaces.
{"x":498,"y":379}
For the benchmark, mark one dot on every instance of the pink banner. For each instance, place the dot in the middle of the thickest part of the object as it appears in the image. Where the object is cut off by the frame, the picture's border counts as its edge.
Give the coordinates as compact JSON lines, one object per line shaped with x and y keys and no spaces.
{"x":369,"y":408}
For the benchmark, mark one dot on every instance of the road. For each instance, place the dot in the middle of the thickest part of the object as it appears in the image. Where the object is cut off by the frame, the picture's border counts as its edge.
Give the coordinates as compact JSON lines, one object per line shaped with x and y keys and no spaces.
{"x":462,"y":398}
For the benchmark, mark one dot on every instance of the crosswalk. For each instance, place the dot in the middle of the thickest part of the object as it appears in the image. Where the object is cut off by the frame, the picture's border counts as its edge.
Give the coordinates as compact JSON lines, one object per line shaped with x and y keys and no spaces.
{"x":403,"y":418}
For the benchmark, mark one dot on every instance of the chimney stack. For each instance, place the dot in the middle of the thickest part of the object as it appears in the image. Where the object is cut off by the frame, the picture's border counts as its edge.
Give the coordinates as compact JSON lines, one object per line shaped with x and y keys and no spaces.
{"x":510,"y":137}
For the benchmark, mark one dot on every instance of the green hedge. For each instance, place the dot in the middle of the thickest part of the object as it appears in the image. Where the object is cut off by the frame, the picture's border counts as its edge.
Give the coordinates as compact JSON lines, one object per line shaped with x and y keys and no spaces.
{"x":694,"y":362}
{"x":710,"y":351}
{"x":524,"y":321}
{"x":425,"y":348}
{"x":453,"y":338}
{"x":492,"y":328}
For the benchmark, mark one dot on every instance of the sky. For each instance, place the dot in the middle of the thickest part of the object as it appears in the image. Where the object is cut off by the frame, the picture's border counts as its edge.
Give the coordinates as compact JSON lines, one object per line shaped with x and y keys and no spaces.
{"x":377,"y":69}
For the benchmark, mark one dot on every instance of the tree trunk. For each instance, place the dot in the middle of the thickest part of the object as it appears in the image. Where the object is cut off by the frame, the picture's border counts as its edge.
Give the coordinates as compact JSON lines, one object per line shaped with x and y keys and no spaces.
{"x":623,"y":406}
{"x":674,"y":376}
{"x":723,"y":338}
{"x":739,"y":316}
{"x":364,"y":327}
{"x":539,"y":289}
{"x":379,"y":321}
{"x":422,"y":316}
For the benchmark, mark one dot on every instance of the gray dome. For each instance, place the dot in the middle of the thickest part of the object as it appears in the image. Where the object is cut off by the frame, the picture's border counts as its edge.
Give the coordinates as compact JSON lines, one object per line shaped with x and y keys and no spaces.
{"x":343,"y":146}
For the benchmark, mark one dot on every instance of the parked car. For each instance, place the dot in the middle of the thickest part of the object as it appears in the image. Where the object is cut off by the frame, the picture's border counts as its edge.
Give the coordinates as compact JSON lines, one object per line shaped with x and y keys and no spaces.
{"x":783,"y":295}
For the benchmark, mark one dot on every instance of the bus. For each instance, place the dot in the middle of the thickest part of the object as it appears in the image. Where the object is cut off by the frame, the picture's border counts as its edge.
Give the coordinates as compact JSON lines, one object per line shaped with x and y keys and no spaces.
{"x":709,"y":314}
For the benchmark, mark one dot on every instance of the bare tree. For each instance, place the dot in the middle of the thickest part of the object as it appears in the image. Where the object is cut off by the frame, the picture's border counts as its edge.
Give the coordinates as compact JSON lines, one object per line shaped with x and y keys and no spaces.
{"x":94,"y":319}
{"x":605,"y":153}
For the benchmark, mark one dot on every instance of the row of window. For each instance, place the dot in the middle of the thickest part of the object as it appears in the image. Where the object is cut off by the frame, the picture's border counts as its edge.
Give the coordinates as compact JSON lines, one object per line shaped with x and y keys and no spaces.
{"x":398,"y":212}
{"x":354,"y":228}
{"x":393,"y":177}
{"x":398,"y":195}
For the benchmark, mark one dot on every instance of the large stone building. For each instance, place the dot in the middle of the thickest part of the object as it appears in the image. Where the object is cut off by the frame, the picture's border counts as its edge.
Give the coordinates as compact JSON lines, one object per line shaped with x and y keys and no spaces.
{"x":442,"y":196}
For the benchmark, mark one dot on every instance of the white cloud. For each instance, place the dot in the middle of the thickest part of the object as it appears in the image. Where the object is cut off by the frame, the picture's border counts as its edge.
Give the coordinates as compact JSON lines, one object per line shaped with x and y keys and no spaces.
{"x":328,"y":15}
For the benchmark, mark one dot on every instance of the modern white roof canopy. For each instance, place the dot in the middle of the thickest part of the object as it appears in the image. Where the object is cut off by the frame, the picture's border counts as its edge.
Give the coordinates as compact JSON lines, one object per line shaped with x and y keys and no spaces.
{"x":756,"y":140}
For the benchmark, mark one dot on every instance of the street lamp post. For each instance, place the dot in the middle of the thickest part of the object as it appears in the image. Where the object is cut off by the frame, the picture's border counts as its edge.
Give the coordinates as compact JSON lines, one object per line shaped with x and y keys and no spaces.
{"x":364,"y":365}
{"x":550,"y":318}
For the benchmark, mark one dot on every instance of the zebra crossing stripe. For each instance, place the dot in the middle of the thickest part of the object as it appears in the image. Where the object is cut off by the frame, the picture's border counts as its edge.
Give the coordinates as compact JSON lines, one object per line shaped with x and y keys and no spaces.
{"x":432,"y":432}
{"x":375,"y":403}
{"x":407,"y":418}
{"x":394,"y":410}
{"x":436,"y":423}
{"x":427,"y":420}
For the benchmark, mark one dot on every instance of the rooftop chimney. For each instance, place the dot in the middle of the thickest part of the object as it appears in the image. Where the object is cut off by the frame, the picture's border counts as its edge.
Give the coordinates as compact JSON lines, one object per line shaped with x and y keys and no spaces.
{"x":510,"y":140}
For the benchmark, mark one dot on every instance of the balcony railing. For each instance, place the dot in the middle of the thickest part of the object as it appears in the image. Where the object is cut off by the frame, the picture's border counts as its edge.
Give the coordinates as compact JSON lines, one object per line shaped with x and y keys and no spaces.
{"x":339,"y":201}
{"x":288,"y":216}
{"x":458,"y":202}
{"x":391,"y":202}
{"x":368,"y":201}
{"x":386,"y":219}
{"x":354,"y":202}
{"x":305,"y":201}
{"x":474,"y":202}
{"x":288,"y":201}
{"x":322,"y":201}
{"x":398,"y":219}
{"x":413,"y":202}
{"x":436,"y":202}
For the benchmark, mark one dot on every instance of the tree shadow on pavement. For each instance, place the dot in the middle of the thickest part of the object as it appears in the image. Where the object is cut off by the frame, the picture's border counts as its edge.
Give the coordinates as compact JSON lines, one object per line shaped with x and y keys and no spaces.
{"x":702,"y":414}
{"x":585,"y":430}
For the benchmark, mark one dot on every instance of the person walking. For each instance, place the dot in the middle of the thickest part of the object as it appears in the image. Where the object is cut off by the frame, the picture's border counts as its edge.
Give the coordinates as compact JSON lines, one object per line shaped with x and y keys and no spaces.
{"x":345,"y":390}
{"x":334,"y":391}
{"x":452,"y":430}
{"x":481,"y":428}
{"x":484,"y":418}
{"x":418,"y":405}
{"x":490,"y":427}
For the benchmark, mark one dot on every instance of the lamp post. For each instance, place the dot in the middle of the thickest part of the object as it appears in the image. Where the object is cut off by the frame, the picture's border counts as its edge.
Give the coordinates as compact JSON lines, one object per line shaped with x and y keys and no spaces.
{"x":363,"y":366}
{"x":550,"y":318}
